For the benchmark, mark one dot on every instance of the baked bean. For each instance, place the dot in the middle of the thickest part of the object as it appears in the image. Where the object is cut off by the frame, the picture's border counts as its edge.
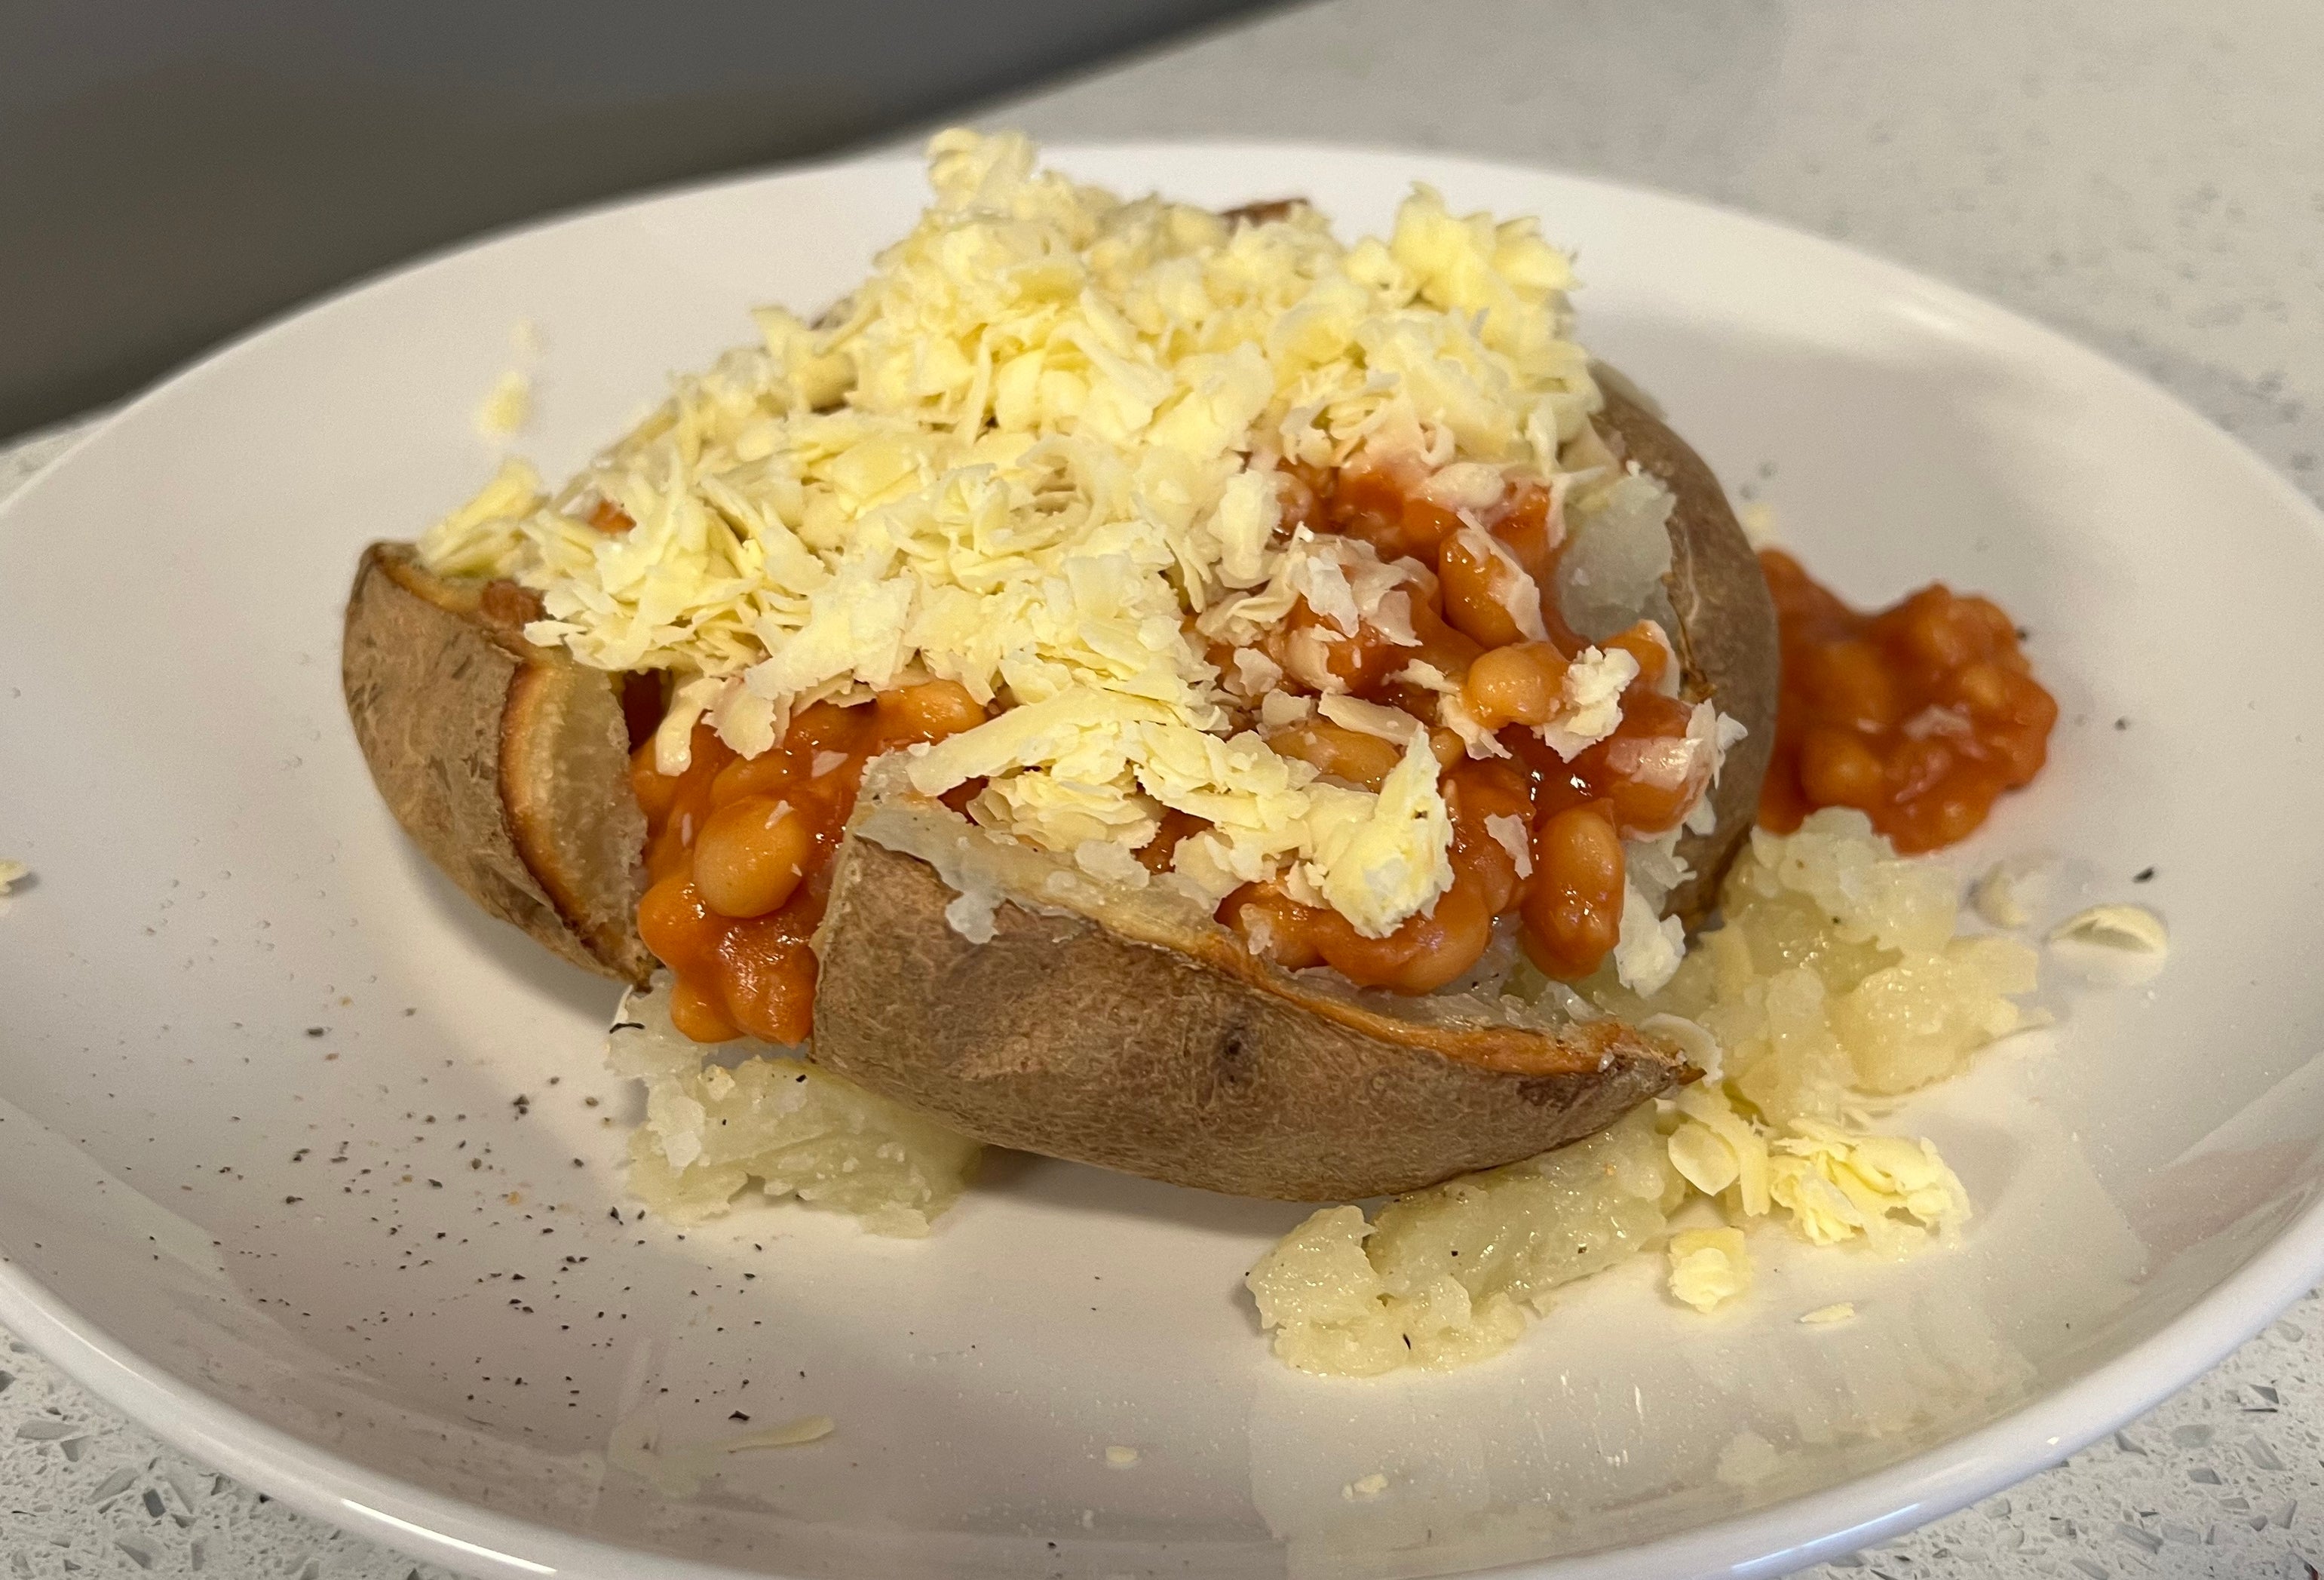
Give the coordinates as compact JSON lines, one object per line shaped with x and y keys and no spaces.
{"x":751,"y":855}
{"x":767,"y":977}
{"x":1525,"y":524}
{"x":1479,"y":587}
{"x":1370,"y":504}
{"x":1317,"y":655}
{"x":1422,"y":955}
{"x":1174,"y":826}
{"x":826,"y":727}
{"x":1838,"y":769}
{"x":1573,"y":906}
{"x":1646,"y":642}
{"x":697,"y":1016}
{"x":771,"y":772}
{"x":1343,"y":754}
{"x":1852,"y":685}
{"x":1442,"y":647}
{"x":656,"y":792}
{"x":1631,"y":771}
{"x":927,"y":712}
{"x":1519,"y":685}
{"x":679,"y":928}
{"x":1475,"y":792}
{"x":1278,"y":925}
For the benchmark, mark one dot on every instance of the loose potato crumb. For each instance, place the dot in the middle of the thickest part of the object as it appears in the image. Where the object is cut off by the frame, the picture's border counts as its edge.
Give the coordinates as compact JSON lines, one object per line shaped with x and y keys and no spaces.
{"x":1837,"y":973}
{"x":1446,"y":1276}
{"x":712,"y":1131}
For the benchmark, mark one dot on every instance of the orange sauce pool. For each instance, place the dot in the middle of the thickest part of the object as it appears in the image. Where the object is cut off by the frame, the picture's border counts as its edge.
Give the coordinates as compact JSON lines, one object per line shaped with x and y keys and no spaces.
{"x":1921,"y":715}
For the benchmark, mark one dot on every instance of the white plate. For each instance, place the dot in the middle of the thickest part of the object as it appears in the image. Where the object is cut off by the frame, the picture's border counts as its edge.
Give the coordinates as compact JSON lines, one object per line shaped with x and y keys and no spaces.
{"x":265,"y":1181}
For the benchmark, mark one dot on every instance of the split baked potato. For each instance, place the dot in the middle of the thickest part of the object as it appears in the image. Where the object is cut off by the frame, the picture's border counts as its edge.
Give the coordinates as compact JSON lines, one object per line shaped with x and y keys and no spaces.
{"x":1123,"y":1029}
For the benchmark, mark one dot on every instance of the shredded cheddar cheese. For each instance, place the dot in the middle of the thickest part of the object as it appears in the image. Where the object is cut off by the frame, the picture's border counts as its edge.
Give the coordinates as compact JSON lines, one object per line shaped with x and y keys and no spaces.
{"x":1040,"y":453}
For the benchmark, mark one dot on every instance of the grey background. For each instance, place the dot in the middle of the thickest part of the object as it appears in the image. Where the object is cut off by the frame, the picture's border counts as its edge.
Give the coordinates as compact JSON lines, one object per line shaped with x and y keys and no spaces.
{"x":173,"y":171}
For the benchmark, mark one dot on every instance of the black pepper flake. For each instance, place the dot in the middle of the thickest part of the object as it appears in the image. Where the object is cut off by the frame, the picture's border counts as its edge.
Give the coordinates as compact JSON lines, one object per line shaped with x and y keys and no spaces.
{"x":2144,"y":875}
{"x":738,"y":1416}
{"x":614,"y":1214}
{"x":627,"y":1026}
{"x":521,"y":1103}
{"x":435,"y":1185}
{"x":292,"y":1201}
{"x":2122,"y":724}
{"x":314,"y":1030}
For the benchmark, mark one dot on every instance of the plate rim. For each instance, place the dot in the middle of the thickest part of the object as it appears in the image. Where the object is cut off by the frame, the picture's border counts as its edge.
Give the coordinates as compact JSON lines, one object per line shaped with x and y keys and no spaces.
{"x":1765,"y":1542}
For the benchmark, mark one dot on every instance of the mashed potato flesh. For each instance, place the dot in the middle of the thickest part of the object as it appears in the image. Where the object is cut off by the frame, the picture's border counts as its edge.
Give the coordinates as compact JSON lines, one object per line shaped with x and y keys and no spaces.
{"x":1447,"y":1276}
{"x":716,"y":1127}
{"x":1837,"y":974}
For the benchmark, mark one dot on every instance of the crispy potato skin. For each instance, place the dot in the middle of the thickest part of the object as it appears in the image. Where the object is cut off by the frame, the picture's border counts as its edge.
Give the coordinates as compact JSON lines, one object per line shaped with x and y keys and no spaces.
{"x":507,"y":763}
{"x":1728,"y":644}
{"x":1060,"y":1036}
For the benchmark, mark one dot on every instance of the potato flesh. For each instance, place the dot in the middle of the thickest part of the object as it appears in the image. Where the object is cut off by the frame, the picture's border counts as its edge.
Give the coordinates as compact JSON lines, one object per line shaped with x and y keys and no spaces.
{"x":716,"y":1128}
{"x":1446,"y":1277}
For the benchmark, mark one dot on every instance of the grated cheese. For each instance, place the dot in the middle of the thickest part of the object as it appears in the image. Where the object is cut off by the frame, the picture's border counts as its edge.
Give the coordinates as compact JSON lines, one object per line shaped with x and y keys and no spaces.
{"x":1045,"y":432}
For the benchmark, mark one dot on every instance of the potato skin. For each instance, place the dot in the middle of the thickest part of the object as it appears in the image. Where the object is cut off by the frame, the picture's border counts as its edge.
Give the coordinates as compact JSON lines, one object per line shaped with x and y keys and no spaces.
{"x":1728,"y":644}
{"x":507,"y":763}
{"x":1062,"y":1037}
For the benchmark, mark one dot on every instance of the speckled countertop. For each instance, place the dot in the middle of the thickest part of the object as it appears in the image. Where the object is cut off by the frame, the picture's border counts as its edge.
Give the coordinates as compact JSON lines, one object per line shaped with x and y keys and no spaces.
{"x":2148,"y":175}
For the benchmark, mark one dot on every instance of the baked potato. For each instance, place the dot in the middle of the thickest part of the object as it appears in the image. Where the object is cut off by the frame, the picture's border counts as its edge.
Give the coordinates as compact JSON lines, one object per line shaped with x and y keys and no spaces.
{"x":1126,"y":1030}
{"x":1361,"y":614}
